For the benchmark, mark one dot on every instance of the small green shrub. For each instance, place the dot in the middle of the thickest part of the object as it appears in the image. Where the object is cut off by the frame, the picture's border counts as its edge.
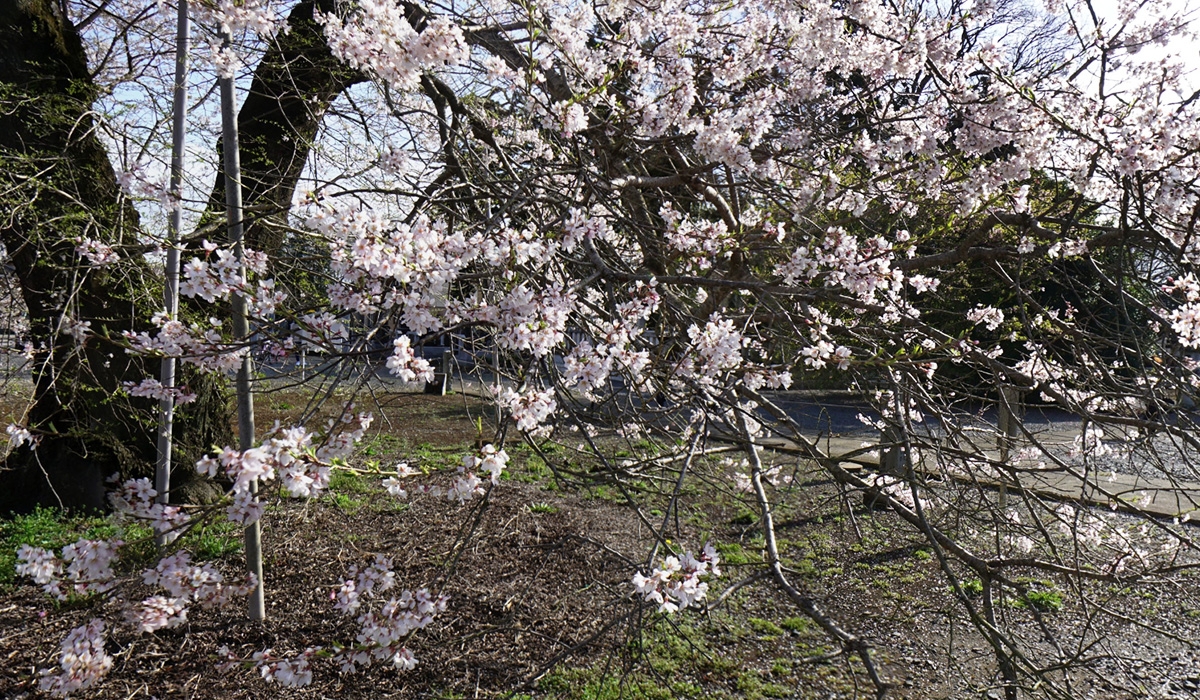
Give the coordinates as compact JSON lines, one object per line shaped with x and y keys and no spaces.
{"x":1045,"y":600}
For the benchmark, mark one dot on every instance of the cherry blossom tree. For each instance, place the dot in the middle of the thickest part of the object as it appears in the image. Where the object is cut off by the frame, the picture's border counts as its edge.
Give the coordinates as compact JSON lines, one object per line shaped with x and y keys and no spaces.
{"x":722,"y":199}
{"x":665,"y":214}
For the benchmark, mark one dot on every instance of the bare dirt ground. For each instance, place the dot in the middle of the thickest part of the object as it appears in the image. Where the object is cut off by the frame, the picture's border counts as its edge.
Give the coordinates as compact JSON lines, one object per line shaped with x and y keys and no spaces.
{"x":540,"y":602}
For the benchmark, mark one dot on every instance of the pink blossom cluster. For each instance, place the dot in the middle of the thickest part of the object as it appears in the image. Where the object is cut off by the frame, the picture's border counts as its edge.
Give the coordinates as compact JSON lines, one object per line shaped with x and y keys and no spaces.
{"x":395,"y":485}
{"x":380,"y":265}
{"x":378,"y":38}
{"x":529,"y":407}
{"x":184,"y":584}
{"x":82,"y":661}
{"x":489,"y":459}
{"x":404,"y":364}
{"x":534,"y":321}
{"x":392,"y":160}
{"x":85,"y":567}
{"x":702,"y":241}
{"x":580,"y":228}
{"x":716,"y":349}
{"x":989,"y":316}
{"x":377,"y":576}
{"x":196,"y":344}
{"x":341,"y":436}
{"x":96,"y":252}
{"x":135,"y":184}
{"x":587,"y":367}
{"x":214,"y":278}
{"x":1185,"y":319}
{"x":510,"y":247}
{"x":290,"y":455}
{"x":381,"y":634}
{"x":75,"y":328}
{"x":136,"y":499}
{"x":290,"y":672}
{"x":774,"y":475}
{"x":466,"y":484}
{"x":680,"y":582}
{"x":862,"y":268}
{"x":19,"y":435}
{"x":233,"y":17}
{"x":153,"y":389}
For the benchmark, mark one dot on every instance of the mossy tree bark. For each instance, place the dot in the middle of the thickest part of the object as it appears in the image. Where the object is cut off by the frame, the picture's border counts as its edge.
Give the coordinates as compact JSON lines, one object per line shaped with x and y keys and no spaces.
{"x":58,"y":186}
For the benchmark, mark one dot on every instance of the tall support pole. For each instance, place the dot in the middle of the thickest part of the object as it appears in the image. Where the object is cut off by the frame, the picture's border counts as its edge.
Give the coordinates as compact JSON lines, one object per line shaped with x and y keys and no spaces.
{"x":166,"y":404}
{"x":241,"y":327}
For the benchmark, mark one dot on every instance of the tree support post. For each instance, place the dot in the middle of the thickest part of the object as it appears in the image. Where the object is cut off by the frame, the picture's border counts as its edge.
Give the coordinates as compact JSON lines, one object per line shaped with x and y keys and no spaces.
{"x":1008,"y":421}
{"x":166,"y":404}
{"x":241,"y":327}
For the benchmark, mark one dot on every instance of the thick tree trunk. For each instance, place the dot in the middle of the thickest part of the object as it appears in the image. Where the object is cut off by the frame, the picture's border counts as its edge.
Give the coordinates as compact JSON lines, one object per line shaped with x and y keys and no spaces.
{"x":59,"y":187}
{"x":294,"y":85}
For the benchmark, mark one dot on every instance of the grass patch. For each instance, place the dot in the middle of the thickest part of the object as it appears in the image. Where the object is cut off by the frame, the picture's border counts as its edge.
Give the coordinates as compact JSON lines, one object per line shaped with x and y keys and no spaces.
{"x":1045,"y":600}
{"x":595,"y":684}
{"x":51,"y":529}
{"x":765,"y":628}
{"x":345,"y":482}
{"x":214,"y":539}
{"x":345,"y":503}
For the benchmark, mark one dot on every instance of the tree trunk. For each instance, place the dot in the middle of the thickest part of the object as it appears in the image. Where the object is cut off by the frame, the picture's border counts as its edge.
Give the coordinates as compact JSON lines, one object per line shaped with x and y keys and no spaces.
{"x":59,"y":186}
{"x":296,"y":82}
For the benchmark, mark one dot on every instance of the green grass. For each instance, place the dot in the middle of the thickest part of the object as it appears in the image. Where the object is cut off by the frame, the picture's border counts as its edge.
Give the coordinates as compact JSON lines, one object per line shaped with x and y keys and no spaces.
{"x":345,"y":503}
{"x":214,"y":539}
{"x":345,"y":482}
{"x":765,"y":628}
{"x":594,"y":684}
{"x":50,"y":529}
{"x":531,"y":472}
{"x":1045,"y":600}
{"x":381,"y":445}
{"x":733,"y":554}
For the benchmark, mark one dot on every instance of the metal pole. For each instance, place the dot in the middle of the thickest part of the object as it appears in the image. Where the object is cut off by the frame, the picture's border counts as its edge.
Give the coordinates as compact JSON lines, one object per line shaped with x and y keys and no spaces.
{"x":241,"y":327}
{"x":166,"y":405}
